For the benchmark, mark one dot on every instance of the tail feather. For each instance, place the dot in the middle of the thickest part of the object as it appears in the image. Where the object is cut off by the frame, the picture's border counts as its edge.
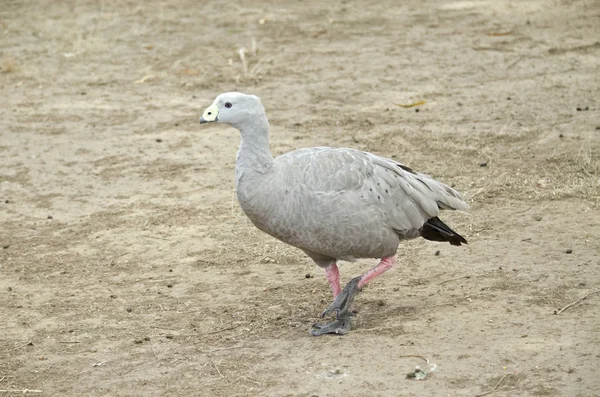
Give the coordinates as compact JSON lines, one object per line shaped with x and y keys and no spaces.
{"x":436,"y":230}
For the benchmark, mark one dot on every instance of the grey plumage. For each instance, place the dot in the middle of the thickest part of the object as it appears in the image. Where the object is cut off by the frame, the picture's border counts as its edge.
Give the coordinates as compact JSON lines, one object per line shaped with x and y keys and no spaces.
{"x":342,"y":203}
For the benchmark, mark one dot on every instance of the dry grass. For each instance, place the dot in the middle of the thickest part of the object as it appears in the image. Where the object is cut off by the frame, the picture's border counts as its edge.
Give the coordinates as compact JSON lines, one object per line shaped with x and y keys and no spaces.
{"x":8,"y":65}
{"x":251,"y":64}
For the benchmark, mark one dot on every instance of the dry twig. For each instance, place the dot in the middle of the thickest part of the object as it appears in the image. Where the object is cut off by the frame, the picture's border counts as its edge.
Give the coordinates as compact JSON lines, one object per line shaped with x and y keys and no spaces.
{"x":222,"y":348}
{"x":23,"y":391}
{"x":217,"y":368}
{"x":16,"y":348}
{"x":442,"y":304}
{"x":453,"y":279}
{"x":559,"y":311}
{"x":242,"y":55}
{"x":494,"y":388}
{"x":223,"y":329}
{"x":415,"y":355}
{"x":152,"y":347}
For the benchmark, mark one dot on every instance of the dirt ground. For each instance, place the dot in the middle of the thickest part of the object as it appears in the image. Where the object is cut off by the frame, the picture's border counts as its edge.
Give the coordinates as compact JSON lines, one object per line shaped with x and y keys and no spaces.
{"x":127,"y":267}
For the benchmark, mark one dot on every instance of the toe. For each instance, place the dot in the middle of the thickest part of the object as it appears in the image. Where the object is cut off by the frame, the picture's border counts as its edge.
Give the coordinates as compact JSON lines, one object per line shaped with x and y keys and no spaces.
{"x":339,"y":327}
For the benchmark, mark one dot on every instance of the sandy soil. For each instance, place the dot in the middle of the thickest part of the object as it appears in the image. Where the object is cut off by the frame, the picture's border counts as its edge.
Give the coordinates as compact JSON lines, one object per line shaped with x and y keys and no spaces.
{"x":127,"y":267}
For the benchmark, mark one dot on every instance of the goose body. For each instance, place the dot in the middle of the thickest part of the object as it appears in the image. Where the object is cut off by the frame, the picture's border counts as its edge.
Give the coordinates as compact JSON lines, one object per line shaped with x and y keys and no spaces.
{"x":342,"y":203}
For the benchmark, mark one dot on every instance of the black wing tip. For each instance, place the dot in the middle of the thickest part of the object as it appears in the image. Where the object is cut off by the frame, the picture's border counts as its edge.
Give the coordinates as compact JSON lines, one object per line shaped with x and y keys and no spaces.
{"x":406,"y":168}
{"x":458,"y":240}
{"x":436,"y":230}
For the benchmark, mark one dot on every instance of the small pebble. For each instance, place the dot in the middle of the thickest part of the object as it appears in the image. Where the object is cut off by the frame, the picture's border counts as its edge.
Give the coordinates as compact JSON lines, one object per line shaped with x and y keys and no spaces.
{"x":6,"y":201}
{"x":50,"y":217}
{"x":437,"y":253}
{"x":129,"y":310}
{"x":9,"y":289}
{"x":169,"y":285}
{"x":169,"y":336}
{"x":561,"y":136}
{"x":138,"y":341}
{"x":158,"y":140}
{"x":568,"y":251}
{"x":417,"y":110}
{"x":147,"y":339}
{"x":538,"y":218}
{"x":5,"y":246}
{"x":483,"y":164}
{"x":307,"y":275}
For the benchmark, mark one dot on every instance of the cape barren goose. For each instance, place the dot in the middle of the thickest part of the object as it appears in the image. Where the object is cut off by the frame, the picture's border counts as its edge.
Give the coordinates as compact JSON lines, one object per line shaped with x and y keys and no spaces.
{"x":333,"y":204}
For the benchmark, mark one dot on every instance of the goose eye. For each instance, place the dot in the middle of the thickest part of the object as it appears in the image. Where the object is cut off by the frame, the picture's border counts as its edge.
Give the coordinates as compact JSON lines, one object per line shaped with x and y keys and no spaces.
{"x":228,"y":105}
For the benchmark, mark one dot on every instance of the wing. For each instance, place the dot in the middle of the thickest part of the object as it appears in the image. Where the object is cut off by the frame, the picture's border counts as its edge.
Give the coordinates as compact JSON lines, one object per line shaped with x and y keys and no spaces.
{"x":405,"y":199}
{"x":411,"y":197}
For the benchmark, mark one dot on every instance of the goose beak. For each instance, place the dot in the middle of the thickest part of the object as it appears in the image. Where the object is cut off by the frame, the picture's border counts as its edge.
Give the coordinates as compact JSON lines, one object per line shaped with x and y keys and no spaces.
{"x":210,"y":114}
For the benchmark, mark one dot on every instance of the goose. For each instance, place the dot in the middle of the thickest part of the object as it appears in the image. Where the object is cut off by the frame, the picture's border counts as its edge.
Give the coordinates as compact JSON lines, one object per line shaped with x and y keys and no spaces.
{"x":335,"y":204}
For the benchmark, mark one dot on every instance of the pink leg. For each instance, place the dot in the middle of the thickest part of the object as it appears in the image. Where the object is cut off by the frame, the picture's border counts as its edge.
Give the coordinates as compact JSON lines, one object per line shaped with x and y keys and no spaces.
{"x":343,"y":300}
{"x":385,"y":264}
{"x":333,"y":276}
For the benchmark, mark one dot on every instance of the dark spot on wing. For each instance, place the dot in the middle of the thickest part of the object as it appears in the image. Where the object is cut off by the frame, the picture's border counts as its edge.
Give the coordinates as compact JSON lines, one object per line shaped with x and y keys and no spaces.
{"x":424,"y":184}
{"x":378,"y":198}
{"x":407,"y":169}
